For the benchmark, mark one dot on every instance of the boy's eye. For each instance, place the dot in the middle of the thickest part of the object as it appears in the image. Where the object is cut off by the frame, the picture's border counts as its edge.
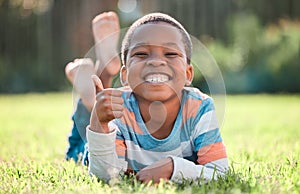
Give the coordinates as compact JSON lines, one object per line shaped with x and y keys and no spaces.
{"x":140,"y":54}
{"x":171,"y":54}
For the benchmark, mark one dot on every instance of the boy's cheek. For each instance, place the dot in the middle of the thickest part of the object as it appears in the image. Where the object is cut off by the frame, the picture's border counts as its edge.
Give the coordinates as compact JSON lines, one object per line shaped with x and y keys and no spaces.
{"x":133,"y":83}
{"x":134,"y":63}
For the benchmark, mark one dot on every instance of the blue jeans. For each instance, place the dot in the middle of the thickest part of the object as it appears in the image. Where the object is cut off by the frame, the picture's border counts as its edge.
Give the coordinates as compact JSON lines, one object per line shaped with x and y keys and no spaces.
{"x":77,"y":138}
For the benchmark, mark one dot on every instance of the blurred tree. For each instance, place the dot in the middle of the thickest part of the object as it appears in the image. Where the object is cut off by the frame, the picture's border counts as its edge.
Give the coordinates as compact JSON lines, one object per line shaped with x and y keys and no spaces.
{"x":260,"y":59}
{"x":38,"y":37}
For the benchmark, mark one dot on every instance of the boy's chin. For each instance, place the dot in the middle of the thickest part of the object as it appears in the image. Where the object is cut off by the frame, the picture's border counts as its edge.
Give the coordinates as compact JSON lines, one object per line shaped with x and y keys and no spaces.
{"x":157,"y":96}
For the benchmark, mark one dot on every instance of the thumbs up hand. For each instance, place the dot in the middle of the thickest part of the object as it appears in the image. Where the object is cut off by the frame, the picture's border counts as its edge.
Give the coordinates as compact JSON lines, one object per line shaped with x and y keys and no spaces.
{"x":108,"y":106}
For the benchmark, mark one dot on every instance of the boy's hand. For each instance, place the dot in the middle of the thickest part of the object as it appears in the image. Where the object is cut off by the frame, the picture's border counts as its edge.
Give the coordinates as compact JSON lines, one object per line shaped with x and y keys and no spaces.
{"x":161,"y":169}
{"x":108,"y":106}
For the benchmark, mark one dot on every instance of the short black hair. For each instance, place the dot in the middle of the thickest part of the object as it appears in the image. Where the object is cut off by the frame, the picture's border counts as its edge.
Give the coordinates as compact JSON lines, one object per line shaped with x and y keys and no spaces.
{"x":155,"y":18}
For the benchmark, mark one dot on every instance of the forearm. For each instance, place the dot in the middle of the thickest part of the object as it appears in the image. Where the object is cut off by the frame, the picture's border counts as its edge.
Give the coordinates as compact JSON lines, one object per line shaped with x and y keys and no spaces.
{"x":185,"y":169}
{"x":103,"y":160}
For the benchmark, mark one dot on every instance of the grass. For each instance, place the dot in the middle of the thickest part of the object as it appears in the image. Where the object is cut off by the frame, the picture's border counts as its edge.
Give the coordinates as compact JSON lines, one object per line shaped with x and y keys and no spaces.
{"x":261,"y":133}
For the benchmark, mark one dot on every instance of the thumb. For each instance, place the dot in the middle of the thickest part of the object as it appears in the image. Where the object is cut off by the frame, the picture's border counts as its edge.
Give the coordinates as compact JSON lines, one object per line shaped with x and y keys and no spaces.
{"x":98,"y":83}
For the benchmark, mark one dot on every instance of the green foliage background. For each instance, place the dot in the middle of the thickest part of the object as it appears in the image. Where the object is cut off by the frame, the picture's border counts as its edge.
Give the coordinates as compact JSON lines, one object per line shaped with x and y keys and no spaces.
{"x":260,"y":58}
{"x":255,"y":43}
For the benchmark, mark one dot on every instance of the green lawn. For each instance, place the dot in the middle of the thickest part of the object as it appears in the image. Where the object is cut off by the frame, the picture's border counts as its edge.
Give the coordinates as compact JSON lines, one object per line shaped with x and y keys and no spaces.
{"x":261,"y":133}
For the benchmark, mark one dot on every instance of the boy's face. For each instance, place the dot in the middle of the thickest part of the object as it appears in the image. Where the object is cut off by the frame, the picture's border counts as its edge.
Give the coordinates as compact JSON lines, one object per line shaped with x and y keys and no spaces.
{"x":156,"y":67}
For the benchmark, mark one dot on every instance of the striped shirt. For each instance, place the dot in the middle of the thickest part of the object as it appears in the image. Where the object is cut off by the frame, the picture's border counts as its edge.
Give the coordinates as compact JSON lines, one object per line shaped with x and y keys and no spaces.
{"x":194,"y":144}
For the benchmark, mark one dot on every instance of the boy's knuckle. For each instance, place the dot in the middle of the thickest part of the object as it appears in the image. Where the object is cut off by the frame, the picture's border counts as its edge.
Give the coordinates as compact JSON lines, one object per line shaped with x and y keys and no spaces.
{"x":107,"y":107}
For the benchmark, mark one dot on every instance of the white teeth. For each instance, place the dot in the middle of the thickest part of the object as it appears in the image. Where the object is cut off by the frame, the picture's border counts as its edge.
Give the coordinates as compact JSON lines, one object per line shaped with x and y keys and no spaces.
{"x":157,"y":78}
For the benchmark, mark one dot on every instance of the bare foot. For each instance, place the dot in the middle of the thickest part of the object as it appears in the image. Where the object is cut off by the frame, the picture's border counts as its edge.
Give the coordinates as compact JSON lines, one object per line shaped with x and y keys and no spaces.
{"x":106,"y":30}
{"x":79,"y":73}
{"x":73,"y":67}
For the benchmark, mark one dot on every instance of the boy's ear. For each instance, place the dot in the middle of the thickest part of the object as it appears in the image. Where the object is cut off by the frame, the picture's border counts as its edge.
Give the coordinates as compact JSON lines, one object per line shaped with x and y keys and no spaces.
{"x":123,"y":76}
{"x":189,"y":74}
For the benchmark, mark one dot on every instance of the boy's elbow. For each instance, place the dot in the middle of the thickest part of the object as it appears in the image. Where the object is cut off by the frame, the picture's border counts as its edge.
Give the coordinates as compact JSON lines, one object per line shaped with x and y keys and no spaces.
{"x":98,"y":172}
{"x":104,"y":170}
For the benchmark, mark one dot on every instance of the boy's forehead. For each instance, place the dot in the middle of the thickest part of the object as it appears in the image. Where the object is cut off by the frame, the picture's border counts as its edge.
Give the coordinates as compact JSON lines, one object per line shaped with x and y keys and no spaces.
{"x":159,"y":34}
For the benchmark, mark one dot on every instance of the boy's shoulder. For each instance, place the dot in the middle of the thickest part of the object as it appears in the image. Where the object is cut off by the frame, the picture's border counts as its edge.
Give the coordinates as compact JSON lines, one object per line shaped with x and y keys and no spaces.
{"x":195,"y":103}
{"x":193,"y":92}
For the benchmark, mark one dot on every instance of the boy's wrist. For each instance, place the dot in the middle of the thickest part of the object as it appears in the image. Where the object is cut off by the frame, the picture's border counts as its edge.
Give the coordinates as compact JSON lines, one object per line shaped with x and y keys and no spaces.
{"x":97,"y":126}
{"x":100,"y":128}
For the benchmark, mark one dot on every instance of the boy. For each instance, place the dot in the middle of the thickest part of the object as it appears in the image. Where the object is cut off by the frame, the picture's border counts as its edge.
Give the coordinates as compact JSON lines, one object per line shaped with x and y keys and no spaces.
{"x":154,"y":126}
{"x":106,"y":34}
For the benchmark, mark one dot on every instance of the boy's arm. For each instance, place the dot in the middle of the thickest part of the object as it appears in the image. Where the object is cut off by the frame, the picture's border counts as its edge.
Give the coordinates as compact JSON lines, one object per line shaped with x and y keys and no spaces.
{"x":101,"y":133}
{"x":177,"y":169}
{"x":185,"y":169}
{"x":103,"y":160}
{"x":211,"y":162}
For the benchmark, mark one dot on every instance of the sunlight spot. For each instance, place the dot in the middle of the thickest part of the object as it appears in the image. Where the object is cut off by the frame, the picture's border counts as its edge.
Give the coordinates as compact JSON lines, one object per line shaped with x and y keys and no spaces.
{"x":28,"y":4}
{"x":127,"y":6}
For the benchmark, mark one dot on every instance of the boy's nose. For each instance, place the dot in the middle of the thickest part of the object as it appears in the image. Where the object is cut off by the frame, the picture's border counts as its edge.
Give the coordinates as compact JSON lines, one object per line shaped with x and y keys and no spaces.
{"x":156,"y":62}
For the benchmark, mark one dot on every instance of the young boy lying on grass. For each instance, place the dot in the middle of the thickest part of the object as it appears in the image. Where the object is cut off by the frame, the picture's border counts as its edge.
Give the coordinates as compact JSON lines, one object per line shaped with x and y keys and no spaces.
{"x":155,"y":126}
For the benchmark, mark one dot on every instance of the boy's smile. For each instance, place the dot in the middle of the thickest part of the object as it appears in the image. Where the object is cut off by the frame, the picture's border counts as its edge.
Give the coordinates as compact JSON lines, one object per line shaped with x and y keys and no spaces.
{"x":156,"y":78}
{"x":156,"y":67}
